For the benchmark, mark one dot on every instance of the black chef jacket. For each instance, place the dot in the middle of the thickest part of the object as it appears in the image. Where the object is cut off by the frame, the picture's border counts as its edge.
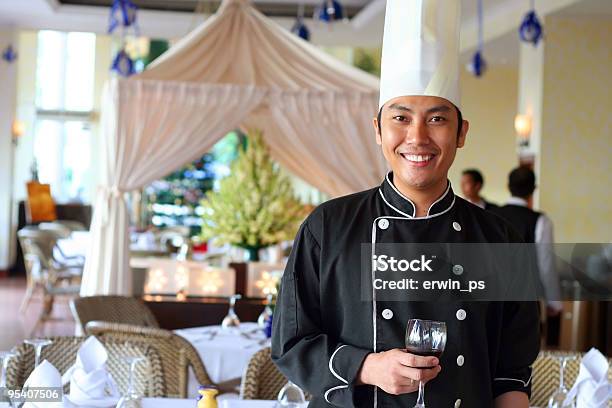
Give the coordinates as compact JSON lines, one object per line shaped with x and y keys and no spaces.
{"x":323,"y":330}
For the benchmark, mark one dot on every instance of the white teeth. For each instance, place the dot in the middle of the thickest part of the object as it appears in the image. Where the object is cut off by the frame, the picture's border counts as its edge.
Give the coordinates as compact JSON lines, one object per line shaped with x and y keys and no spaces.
{"x":418,"y":157}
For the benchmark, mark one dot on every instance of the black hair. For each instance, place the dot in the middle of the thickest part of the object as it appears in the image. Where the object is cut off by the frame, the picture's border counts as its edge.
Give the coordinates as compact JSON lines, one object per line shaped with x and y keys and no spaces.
{"x":475,"y":174}
{"x":459,"y":120}
{"x":521,"y":182}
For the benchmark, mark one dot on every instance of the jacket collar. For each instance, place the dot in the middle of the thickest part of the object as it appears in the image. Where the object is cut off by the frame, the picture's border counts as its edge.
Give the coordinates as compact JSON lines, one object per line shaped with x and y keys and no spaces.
{"x":403,"y":205}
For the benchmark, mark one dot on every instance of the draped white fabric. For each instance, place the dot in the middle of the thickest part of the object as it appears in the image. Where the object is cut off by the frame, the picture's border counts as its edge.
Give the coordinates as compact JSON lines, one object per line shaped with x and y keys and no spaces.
{"x":319,"y":136}
{"x":238,"y":69}
{"x":151,"y":128}
{"x":239,"y":45}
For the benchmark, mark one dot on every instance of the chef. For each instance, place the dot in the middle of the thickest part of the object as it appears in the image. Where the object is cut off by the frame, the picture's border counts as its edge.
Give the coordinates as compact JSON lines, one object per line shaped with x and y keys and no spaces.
{"x":349,"y":351}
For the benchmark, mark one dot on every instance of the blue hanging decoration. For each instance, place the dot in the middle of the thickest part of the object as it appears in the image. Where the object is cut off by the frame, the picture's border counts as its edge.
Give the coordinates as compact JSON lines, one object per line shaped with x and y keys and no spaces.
{"x":477,"y":65}
{"x":123,"y":64}
{"x":329,"y":11}
{"x":123,"y":13}
{"x":9,"y":54}
{"x":531,"y":30}
{"x":300,"y":29}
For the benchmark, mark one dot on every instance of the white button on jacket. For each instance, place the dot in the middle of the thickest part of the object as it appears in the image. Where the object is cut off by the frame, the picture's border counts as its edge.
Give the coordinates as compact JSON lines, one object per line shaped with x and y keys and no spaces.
{"x":383,"y":224}
{"x":457,"y":269}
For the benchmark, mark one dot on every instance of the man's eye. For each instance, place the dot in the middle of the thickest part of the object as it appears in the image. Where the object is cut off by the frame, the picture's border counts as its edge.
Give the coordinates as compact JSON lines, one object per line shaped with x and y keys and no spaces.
{"x":400,"y":118}
{"x":437,"y":119}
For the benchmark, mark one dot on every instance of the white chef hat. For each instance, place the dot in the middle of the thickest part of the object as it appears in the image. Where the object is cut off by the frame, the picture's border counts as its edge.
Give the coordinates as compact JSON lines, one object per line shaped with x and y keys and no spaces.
{"x":420,"y":54}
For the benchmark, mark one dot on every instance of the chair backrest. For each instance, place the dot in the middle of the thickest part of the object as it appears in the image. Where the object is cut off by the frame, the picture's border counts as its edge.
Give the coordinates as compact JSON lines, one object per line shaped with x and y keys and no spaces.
{"x":113,"y":309}
{"x":37,"y":244}
{"x":545,"y":376}
{"x":60,"y":230}
{"x":176,"y":353}
{"x":149,"y":379}
{"x":261,"y":380}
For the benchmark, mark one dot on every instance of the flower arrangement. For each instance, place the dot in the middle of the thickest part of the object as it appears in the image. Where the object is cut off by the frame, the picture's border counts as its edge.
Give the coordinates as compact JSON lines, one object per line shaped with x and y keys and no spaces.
{"x":254,"y":206}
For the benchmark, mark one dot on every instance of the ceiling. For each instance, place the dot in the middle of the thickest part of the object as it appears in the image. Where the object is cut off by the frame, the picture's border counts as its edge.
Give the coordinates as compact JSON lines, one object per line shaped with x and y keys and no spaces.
{"x":271,"y":8}
{"x":174,"y":18}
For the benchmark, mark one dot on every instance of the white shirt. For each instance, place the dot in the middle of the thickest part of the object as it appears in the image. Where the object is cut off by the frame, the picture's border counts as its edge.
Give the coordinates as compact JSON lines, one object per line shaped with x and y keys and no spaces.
{"x":480,"y":203}
{"x":546,"y":261}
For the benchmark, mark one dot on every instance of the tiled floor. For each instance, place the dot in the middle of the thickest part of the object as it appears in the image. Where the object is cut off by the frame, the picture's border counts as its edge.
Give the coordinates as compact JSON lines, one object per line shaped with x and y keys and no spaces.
{"x":15,"y":327}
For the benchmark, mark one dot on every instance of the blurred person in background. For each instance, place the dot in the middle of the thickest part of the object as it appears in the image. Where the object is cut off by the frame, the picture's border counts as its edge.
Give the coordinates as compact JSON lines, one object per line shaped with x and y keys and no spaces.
{"x":472,"y":182}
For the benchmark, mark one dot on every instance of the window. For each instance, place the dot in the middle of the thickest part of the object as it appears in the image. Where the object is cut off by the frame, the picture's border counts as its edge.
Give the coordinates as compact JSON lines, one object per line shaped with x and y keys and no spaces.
{"x":64,"y":103}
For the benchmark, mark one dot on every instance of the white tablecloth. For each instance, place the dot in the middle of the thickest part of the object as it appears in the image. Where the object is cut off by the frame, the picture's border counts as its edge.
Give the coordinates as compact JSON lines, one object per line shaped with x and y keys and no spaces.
{"x":226,"y":353}
{"x":78,"y":243}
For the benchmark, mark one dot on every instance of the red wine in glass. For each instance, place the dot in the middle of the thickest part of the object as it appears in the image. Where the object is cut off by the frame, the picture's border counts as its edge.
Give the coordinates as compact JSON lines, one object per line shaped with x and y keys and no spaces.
{"x":425,"y":338}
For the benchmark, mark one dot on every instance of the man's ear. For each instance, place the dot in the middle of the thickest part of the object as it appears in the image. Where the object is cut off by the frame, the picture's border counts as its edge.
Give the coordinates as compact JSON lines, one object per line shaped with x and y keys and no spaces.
{"x":378,"y":136}
{"x":465,"y":126}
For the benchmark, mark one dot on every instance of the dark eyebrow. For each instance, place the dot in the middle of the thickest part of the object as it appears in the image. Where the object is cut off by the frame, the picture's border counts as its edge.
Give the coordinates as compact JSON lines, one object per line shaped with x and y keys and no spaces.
{"x":439,"y":108}
{"x":397,"y":106}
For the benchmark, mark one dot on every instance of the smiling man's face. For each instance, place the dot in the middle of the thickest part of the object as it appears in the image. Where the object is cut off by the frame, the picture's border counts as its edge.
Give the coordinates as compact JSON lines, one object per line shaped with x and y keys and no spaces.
{"x":419,"y":138}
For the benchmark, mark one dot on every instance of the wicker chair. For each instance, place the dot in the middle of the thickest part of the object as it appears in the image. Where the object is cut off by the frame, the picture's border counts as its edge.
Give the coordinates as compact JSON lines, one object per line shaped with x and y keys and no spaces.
{"x":149,"y":379}
{"x":177,"y":354}
{"x":545,"y":378}
{"x":113,"y":309}
{"x":43,"y":270}
{"x":261,"y":379}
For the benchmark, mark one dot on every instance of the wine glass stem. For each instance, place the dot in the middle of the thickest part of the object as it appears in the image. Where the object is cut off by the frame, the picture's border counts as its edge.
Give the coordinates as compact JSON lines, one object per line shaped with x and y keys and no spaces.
{"x":131,"y":381}
{"x":421,"y":398}
{"x":561,"y":372}
{"x":37,"y":352}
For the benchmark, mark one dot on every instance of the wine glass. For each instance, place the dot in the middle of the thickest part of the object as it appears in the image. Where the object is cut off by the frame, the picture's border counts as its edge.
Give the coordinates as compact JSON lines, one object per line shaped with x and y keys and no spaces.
{"x":38,"y":345}
{"x":425,"y":338}
{"x":557,"y":400}
{"x":6,"y":356}
{"x":290,"y":396}
{"x":131,"y":399}
{"x":231,"y":320}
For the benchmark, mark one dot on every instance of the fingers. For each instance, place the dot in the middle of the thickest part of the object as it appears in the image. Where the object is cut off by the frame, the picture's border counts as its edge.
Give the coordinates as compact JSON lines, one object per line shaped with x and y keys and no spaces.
{"x":405,"y":379}
{"x":419,"y":374}
{"x":399,"y":372}
{"x":412,"y":360}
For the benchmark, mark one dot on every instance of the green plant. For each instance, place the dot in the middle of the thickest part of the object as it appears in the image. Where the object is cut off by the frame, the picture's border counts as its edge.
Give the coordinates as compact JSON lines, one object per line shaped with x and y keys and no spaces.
{"x":254,"y":206}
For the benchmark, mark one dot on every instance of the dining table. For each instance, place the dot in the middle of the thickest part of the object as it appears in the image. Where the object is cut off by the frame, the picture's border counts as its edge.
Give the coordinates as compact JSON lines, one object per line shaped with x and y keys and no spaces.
{"x":225,"y":352}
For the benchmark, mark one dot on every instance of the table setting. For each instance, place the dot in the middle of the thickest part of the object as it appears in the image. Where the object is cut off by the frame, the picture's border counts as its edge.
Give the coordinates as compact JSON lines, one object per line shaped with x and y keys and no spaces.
{"x":226,"y":349}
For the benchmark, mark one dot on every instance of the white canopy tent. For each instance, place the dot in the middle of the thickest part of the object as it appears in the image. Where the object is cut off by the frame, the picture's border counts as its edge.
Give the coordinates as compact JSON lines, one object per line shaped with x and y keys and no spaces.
{"x":238,"y":69}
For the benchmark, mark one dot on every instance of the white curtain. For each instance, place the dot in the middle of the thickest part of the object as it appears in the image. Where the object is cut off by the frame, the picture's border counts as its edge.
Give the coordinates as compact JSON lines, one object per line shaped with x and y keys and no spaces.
{"x":151,"y":128}
{"x":326,"y":138}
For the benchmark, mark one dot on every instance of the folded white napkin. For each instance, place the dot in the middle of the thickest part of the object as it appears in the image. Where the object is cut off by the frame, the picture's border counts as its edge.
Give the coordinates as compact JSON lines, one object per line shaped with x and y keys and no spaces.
{"x":91,"y":385}
{"x":592,"y":388}
{"x":45,"y":375}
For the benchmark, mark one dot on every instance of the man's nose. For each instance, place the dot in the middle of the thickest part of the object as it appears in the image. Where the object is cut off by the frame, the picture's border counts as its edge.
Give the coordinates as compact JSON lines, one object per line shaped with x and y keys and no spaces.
{"x":417,"y":133}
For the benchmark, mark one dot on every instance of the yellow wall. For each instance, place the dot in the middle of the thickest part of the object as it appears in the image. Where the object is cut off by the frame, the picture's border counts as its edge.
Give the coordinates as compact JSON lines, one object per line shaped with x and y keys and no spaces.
{"x":26,"y":111}
{"x":576,"y":130}
{"x":489,"y":104}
